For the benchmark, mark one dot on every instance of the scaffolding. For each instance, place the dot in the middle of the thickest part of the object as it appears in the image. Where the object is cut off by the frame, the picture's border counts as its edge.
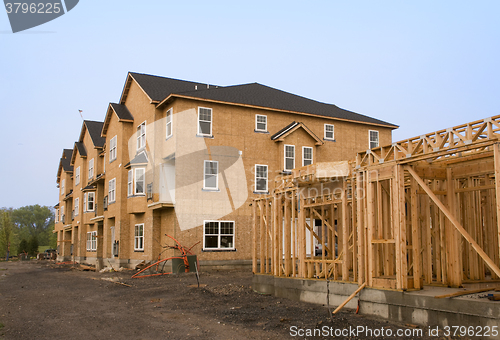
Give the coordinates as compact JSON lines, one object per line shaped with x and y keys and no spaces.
{"x":421,"y":211}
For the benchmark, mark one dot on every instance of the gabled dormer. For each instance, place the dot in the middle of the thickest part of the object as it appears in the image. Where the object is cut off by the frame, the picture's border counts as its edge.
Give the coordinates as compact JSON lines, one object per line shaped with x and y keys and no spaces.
{"x":297,"y":144}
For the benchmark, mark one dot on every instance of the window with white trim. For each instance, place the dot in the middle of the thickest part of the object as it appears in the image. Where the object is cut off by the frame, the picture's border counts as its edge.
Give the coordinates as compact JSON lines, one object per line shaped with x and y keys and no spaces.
{"x":112,"y":190}
{"x":91,"y":168}
{"x":289,"y":157}
{"x":139,"y":237}
{"x":204,"y":121}
{"x":139,"y":181}
{"x":91,"y":201}
{"x":57,"y":216}
{"x":210,"y":171}
{"x":168,"y":127}
{"x":77,"y":176}
{"x":62,"y":187}
{"x":260,"y":178}
{"x":89,"y":241}
{"x":373,"y":138}
{"x":77,"y":205}
{"x":261,"y":123}
{"x":141,"y":136}
{"x":218,"y":235}
{"x":84,"y":202}
{"x":130,"y":183}
{"x":329,"y":132}
{"x":307,"y":155}
{"x":92,"y":241}
{"x":112,"y":149}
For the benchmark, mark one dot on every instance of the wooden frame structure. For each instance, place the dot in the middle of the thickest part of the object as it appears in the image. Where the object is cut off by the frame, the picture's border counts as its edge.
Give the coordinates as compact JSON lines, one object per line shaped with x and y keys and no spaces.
{"x":420,"y":211}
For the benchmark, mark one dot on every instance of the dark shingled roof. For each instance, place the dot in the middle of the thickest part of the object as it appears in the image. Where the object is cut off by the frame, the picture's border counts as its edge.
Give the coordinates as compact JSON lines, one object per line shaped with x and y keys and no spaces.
{"x":66,"y":160}
{"x":94,"y":128}
{"x":122,"y":111}
{"x":255,"y":94}
{"x":81,"y":149}
{"x":140,"y":158}
{"x":264,"y":96}
{"x":282,"y":131}
{"x":159,"y":88}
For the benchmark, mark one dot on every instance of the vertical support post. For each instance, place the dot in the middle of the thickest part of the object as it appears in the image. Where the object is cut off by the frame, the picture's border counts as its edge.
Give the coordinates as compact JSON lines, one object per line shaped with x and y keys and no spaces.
{"x":275,"y":240}
{"x":269,"y":228}
{"x":370,"y":198}
{"x":345,"y":233}
{"x":287,"y":235}
{"x":415,"y":232}
{"x":254,"y":238}
{"x":452,"y":242}
{"x":360,"y":227}
{"x":354,"y":231}
{"x":496,"y":155}
{"x":262,"y":236}
{"x":294,"y":234}
{"x":302,"y":236}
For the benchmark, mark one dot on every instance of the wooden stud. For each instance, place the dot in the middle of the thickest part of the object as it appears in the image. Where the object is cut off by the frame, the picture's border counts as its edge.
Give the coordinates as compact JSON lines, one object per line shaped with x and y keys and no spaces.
{"x":415,"y":235}
{"x":345,"y":232}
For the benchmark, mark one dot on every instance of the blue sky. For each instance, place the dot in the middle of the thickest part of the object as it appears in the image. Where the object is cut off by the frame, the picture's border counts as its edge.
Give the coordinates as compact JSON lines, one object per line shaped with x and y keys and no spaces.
{"x":424,"y":65}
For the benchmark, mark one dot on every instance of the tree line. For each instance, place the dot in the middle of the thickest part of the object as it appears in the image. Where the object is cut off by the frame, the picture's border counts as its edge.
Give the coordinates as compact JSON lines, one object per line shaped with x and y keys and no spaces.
{"x":24,"y":229}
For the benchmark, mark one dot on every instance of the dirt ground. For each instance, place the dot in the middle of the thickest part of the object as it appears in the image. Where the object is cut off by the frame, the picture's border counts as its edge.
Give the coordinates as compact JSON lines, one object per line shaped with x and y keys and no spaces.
{"x":43,"y":300}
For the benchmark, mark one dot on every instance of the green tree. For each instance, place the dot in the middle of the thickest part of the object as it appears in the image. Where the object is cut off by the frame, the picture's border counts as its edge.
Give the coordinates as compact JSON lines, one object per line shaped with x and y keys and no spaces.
{"x":35,"y":220}
{"x":23,"y":246}
{"x":33,"y":245}
{"x":6,"y":234}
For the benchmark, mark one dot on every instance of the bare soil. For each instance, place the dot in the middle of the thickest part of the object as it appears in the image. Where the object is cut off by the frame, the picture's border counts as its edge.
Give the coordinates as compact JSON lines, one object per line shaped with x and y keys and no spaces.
{"x":43,"y":300}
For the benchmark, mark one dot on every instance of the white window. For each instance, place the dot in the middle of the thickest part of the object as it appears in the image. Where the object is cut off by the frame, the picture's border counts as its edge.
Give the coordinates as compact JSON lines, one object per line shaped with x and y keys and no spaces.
{"x":373,"y":136}
{"x":85,"y":202}
{"x":289,"y":157}
{"x":139,"y":181}
{"x":204,"y":121}
{"x":77,"y":176}
{"x":260,"y":123}
{"x":218,"y":235}
{"x":169,"y":123}
{"x":139,"y":237}
{"x":260,"y":178}
{"x":112,"y":149}
{"x":62,"y":214}
{"x":307,"y":155}
{"x":210,"y":181}
{"x":57,"y":216}
{"x":92,"y":241}
{"x":77,"y":205}
{"x":89,"y":241}
{"x":62,"y":187}
{"x":130,"y":183}
{"x":91,"y":168}
{"x":112,"y":190}
{"x":329,"y":132}
{"x":141,"y":136}
{"x":91,"y":201}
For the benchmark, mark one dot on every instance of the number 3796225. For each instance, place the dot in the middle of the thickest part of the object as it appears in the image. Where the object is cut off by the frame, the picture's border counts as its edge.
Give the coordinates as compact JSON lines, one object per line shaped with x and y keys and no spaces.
{"x":41,"y":7}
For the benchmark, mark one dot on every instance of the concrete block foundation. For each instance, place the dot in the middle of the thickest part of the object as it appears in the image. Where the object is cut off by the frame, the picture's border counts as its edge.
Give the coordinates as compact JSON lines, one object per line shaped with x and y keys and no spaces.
{"x":411,"y":307}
